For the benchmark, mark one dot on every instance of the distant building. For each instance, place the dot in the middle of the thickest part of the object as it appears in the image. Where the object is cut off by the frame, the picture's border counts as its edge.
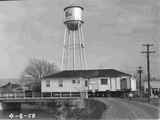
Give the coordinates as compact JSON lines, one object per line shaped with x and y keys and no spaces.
{"x":11,"y":87}
{"x":82,"y":81}
{"x":155,"y":86}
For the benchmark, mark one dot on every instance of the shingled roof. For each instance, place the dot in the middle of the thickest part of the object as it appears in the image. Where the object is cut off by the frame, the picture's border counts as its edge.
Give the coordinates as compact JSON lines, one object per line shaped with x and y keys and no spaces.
{"x":88,"y":73}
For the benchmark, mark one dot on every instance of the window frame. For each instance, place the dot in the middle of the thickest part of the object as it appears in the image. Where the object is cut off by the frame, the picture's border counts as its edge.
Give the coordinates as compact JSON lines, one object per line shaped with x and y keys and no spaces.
{"x":48,"y":83}
{"x":60,"y":83}
{"x":104,"y":81}
{"x":86,"y":83}
{"x":73,"y":81}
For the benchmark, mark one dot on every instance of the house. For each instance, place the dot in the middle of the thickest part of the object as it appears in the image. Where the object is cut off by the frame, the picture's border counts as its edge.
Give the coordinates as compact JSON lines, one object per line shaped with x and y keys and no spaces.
{"x":75,"y":82}
{"x":10,"y":89}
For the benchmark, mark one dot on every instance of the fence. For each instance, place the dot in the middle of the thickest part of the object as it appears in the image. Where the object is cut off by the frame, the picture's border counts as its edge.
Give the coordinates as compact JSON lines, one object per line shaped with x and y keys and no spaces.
{"x":42,"y":95}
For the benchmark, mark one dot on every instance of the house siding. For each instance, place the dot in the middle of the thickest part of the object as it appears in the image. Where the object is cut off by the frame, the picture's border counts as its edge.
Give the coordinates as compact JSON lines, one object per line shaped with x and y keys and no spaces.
{"x":133,"y":84}
{"x":113,"y":84}
{"x":68,"y":86}
{"x":118,"y":87}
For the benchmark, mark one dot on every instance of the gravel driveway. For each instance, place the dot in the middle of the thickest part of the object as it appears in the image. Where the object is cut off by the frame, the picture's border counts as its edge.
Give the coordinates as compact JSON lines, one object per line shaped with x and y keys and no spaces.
{"x":124,"y":109}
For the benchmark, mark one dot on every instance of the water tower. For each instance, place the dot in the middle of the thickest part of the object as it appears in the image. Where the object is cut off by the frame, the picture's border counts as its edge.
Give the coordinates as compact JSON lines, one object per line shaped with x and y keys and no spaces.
{"x":73,"y":57}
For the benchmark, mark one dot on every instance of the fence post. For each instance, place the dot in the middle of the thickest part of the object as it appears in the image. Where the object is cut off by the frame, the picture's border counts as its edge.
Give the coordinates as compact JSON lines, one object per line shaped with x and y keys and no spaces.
{"x":41,"y":95}
{"x":7,"y":95}
{"x":24,"y":94}
{"x":60,"y":94}
{"x":14,"y":95}
{"x":70,"y":94}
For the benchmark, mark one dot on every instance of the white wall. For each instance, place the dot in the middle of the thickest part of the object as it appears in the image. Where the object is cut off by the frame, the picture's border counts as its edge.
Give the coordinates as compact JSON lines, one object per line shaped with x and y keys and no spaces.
{"x":93,"y":84}
{"x":103,"y":87}
{"x":118,"y":83}
{"x":133,"y":84}
{"x":113,"y":84}
{"x":68,"y":86}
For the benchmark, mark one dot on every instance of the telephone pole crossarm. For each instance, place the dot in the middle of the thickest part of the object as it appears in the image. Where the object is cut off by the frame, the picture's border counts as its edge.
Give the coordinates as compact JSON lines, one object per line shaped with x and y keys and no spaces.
{"x":148,"y":52}
{"x":148,"y":44}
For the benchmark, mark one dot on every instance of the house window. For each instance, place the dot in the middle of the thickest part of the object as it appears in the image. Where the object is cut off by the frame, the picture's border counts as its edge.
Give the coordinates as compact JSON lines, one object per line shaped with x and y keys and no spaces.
{"x":60,"y":83}
{"x":73,"y":81}
{"x":86,"y":83}
{"x":48,"y":83}
{"x":104,"y":81}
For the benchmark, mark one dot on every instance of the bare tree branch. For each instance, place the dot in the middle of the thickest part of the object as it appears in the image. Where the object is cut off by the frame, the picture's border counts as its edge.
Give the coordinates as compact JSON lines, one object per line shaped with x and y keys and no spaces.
{"x":37,"y":68}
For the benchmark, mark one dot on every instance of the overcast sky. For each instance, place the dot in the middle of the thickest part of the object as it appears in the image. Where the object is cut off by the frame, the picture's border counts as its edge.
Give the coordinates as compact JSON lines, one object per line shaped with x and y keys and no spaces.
{"x":114,"y":32}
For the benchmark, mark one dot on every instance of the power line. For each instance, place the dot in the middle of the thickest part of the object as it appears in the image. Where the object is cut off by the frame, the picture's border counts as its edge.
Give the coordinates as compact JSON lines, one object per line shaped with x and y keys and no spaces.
{"x":148,"y":52}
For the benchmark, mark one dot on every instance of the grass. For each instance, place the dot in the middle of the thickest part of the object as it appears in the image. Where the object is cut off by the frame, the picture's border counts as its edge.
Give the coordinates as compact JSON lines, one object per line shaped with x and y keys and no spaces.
{"x":93,"y":110}
{"x":153,"y":101}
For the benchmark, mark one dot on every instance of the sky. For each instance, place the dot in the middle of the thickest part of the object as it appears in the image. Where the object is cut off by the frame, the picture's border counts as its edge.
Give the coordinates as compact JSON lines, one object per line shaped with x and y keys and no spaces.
{"x":114,"y":32}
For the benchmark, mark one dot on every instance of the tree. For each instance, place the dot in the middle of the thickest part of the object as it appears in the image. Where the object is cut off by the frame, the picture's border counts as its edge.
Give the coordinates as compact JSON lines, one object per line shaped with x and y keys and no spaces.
{"x":36,"y":70}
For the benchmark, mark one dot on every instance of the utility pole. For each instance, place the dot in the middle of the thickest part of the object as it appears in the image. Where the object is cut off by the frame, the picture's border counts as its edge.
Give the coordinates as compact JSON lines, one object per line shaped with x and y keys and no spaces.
{"x":140,"y":71}
{"x":148,"y":52}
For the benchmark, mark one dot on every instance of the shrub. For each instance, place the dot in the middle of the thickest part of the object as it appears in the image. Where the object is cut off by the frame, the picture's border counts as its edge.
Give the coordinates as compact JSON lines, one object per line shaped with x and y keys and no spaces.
{"x":93,"y":110}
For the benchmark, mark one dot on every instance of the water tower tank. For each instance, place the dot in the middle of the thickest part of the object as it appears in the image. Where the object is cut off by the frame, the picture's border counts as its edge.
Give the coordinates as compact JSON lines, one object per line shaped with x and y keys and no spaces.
{"x":73,"y":17}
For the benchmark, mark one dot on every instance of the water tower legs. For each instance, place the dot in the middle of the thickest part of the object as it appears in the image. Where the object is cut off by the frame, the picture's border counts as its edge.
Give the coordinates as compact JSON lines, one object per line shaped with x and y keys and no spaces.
{"x":74,"y":56}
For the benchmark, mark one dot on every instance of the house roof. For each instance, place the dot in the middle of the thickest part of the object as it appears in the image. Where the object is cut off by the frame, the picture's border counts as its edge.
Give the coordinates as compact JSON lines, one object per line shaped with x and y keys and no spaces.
{"x":10,"y":87}
{"x":87,"y":73}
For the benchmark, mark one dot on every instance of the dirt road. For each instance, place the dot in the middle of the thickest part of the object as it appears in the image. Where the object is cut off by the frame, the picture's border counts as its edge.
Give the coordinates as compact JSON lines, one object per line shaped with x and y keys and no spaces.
{"x":124,"y":109}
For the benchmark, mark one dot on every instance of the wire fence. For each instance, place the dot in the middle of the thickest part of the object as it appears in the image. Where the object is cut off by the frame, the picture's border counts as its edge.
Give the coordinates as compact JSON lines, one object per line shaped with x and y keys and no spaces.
{"x":26,"y":95}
